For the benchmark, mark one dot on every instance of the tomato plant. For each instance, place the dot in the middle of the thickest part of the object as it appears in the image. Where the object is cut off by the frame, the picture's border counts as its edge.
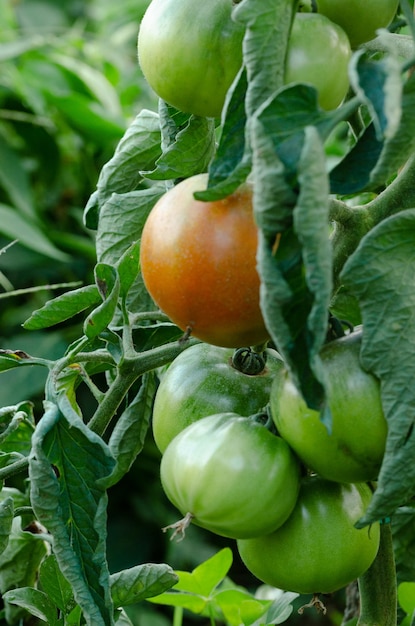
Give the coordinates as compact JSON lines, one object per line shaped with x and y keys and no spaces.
{"x":231,"y":475}
{"x":308,"y":212}
{"x":351,"y":449}
{"x":318,"y":549}
{"x":193,"y":254}
{"x":360,"y":20}
{"x":319,"y":53}
{"x":202,"y":381}
{"x":190,"y":52}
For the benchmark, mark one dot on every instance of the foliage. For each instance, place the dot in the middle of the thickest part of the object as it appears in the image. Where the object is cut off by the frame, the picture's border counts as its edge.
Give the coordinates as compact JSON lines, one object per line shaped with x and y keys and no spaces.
{"x":84,"y":156}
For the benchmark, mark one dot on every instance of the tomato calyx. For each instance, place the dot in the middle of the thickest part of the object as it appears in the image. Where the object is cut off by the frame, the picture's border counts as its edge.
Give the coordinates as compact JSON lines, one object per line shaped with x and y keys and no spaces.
{"x":315,"y":603}
{"x":336,"y":328}
{"x":179,"y":528}
{"x":249,"y":361}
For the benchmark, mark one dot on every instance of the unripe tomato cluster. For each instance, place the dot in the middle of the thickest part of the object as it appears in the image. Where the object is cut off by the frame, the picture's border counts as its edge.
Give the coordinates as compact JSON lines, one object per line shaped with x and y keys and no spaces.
{"x":191,"y":63}
{"x":226,"y":468}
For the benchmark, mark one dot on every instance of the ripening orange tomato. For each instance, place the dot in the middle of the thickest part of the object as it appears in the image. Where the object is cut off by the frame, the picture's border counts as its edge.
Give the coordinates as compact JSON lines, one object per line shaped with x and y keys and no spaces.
{"x":198,"y":262}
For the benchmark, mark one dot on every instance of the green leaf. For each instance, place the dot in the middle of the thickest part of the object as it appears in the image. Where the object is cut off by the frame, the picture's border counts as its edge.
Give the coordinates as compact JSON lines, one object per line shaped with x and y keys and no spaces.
{"x":406,"y":597}
{"x":137,"y":151}
{"x":379,"y":85}
{"x":128,"y":436}
{"x":121,"y":222}
{"x":34,"y":601}
{"x":128,"y":268}
{"x":68,"y":468}
{"x":194,"y":589}
{"x":16,"y":426}
{"x":352,"y":174}
{"x":240,"y":607}
{"x":403,"y":523}
{"x":108,"y":283}
{"x":232,"y":162}
{"x":6,"y":520}
{"x":264,"y":46}
{"x":19,"y":564}
{"x":63,"y":307}
{"x":89,"y":118}
{"x":376,"y":157}
{"x":15,"y":180}
{"x":206,"y":576}
{"x":141,"y":582}
{"x":16,"y":227}
{"x":94,"y":80}
{"x":281,"y":607}
{"x":294,"y":256}
{"x":55,"y":585}
{"x":190,"y":153}
{"x":381,"y":275}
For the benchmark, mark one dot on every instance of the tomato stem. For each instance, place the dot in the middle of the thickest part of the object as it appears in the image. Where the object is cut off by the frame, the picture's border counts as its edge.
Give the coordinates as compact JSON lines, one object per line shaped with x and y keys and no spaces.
{"x":178,"y":616}
{"x":377,"y":586}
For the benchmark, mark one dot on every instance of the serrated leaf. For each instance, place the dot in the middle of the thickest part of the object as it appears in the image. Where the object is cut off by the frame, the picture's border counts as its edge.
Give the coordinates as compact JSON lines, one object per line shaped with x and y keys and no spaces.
{"x":63,"y":307}
{"x":68,"y":467}
{"x":140,"y":583}
{"x":108,"y":283}
{"x":381,"y":275}
{"x":6,"y":520}
{"x":137,"y":151}
{"x":55,"y":585}
{"x":189,"y":154}
{"x":35,"y":602}
{"x":128,"y":436}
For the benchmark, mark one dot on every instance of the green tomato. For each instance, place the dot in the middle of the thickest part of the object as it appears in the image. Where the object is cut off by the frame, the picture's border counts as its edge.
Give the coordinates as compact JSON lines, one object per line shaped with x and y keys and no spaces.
{"x":353,"y":450}
{"x":190,"y":51}
{"x":202,"y":381}
{"x":232,"y":475}
{"x":359,"y":18}
{"x":318,"y":54}
{"x":318,"y":549}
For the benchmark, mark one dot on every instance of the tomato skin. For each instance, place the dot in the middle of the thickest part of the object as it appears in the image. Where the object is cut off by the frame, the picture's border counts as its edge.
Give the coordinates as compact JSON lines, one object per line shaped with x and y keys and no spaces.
{"x":232,"y":474}
{"x":319,"y":53}
{"x":318,"y":549}
{"x":190,"y":51}
{"x":201,"y":381}
{"x":360,"y":19}
{"x":198,"y":262}
{"x":354,"y":449}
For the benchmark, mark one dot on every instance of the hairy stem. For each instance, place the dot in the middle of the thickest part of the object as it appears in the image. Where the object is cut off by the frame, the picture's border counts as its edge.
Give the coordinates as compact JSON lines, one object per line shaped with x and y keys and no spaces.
{"x":128,"y":372}
{"x":377,"y":587}
{"x":14,"y":468}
